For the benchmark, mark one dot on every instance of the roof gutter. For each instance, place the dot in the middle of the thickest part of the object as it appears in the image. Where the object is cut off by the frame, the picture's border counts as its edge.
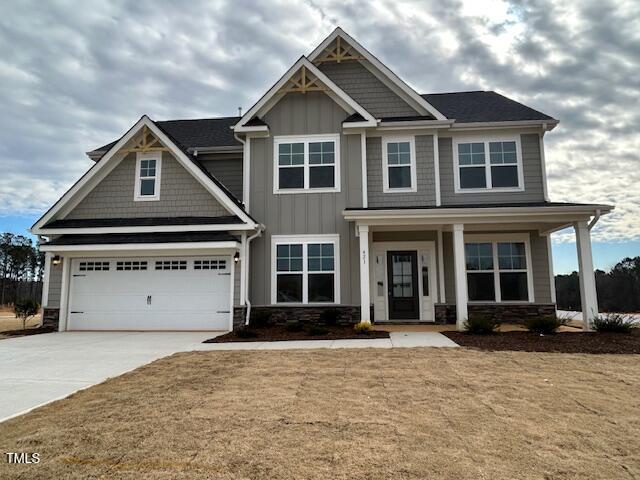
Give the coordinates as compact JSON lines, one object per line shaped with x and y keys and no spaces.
{"x":596,"y":217}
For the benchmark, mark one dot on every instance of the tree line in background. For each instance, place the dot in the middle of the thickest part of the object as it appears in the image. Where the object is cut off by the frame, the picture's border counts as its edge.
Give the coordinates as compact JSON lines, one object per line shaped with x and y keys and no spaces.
{"x":618,"y":289}
{"x":21,"y":269}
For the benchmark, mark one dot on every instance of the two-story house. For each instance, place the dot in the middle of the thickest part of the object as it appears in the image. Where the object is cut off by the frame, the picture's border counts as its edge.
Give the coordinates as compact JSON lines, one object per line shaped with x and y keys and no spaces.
{"x":342,"y":187}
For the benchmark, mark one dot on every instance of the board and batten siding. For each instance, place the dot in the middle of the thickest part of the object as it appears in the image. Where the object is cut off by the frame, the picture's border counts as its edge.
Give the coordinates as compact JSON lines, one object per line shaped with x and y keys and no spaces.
{"x":532,"y":172}
{"x":227,"y":169}
{"x":180,"y":195}
{"x":304,"y":213}
{"x":366,"y":89}
{"x":425,"y":175}
{"x":539,"y":266}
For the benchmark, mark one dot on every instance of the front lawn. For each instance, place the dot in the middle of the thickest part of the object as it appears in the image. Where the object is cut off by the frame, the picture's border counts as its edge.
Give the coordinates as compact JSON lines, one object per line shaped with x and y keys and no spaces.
{"x":346,"y":414}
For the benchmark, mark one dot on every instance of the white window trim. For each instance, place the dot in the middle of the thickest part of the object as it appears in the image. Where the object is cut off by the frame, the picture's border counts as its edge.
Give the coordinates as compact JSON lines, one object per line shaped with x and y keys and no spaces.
{"x":385,"y":164}
{"x":306,"y":139}
{"x":486,"y":139}
{"x":494,"y":239}
{"x":157,"y":156}
{"x":305,"y":240}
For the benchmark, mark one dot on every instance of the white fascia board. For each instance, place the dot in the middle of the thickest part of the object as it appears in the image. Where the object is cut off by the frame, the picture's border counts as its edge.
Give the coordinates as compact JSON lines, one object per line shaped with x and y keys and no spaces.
{"x":483,"y":214}
{"x":431,"y":124}
{"x":77,"y":188}
{"x":380,"y":66}
{"x":549,"y":124}
{"x":258,"y":128}
{"x":351,"y":125}
{"x":148,"y":229}
{"x":141,"y":246}
{"x":302,"y":61}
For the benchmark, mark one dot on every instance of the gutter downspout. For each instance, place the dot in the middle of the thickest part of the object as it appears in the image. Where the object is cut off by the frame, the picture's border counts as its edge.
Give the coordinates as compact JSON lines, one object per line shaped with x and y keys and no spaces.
{"x":595,"y":219}
{"x":246,"y":259}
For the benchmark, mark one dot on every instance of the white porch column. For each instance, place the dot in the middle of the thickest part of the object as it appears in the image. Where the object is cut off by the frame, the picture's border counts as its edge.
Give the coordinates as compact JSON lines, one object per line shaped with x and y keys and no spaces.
{"x":243,"y":269}
{"x":459,"y":265}
{"x":365,"y":297}
{"x":588,"y":295}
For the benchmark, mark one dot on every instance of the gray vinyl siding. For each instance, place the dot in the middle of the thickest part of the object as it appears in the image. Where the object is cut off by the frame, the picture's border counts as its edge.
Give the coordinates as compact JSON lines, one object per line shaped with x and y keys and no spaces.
{"x":55,"y":286}
{"x":532,"y":171}
{"x":449,"y":272}
{"x":425,"y":176}
{"x":307,"y":213}
{"x":366,"y":89}
{"x":539,"y":267}
{"x":180,"y":195}
{"x":227,"y":169}
{"x":236,"y":284}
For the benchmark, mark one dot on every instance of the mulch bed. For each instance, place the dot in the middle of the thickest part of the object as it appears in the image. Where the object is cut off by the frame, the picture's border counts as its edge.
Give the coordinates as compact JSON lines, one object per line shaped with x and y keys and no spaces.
{"x":274,"y":333}
{"x":27,"y":331}
{"x":565,"y":342}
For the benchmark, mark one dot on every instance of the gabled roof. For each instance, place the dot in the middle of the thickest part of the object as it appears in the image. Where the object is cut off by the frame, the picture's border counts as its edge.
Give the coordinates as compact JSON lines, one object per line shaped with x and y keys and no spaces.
{"x":267,"y":100}
{"x":481,"y":106}
{"x":133,"y":238}
{"x":141,"y":222}
{"x":381,"y":67}
{"x":88,"y":181}
{"x":193,"y":134}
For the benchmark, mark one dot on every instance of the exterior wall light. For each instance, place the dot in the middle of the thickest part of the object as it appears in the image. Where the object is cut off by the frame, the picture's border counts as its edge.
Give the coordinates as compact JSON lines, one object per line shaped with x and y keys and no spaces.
{"x":236,"y":257}
{"x":56,"y":260}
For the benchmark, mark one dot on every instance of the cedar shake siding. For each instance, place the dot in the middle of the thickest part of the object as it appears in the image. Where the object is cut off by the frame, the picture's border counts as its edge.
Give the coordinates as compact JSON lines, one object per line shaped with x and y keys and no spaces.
{"x":180,"y":195}
{"x":366,"y":89}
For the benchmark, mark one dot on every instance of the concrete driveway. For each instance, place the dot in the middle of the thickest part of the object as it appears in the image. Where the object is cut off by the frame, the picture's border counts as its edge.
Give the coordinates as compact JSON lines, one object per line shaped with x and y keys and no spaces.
{"x":39,"y":369}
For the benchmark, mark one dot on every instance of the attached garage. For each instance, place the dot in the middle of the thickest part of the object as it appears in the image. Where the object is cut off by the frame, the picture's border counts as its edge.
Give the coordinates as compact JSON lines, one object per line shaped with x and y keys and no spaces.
{"x":151,"y":293}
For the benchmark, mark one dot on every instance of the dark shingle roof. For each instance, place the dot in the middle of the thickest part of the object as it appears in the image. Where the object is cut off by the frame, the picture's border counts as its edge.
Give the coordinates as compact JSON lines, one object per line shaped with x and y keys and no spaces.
{"x":164,"y":237}
{"x":480,"y":205}
{"x":142,"y":222}
{"x":479,"y":106}
{"x":198,"y":133}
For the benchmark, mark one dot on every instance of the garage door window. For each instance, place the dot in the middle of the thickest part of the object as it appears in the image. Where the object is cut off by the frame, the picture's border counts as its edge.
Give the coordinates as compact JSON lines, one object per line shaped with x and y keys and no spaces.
{"x":209,"y":264}
{"x":171,"y":265}
{"x":131,"y":265}
{"x":94,"y":266}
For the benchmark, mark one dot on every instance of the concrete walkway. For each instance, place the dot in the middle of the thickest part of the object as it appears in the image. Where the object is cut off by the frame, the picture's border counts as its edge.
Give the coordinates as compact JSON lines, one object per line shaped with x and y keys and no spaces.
{"x":39,"y":369}
{"x":396,"y":340}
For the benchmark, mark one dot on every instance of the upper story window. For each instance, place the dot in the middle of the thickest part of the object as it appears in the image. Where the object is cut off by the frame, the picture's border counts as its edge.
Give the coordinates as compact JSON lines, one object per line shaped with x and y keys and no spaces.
{"x":399,"y":165}
{"x":307,"y":164}
{"x":488,"y":165}
{"x":148,"y":167}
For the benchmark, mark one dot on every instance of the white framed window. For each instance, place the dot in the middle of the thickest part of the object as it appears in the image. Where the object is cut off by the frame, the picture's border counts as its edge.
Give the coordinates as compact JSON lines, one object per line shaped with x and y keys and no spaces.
{"x":148,"y":168}
{"x":499,"y":268}
{"x":488,"y":164}
{"x":305,"y":164}
{"x":305,"y":269}
{"x":399,"y":165}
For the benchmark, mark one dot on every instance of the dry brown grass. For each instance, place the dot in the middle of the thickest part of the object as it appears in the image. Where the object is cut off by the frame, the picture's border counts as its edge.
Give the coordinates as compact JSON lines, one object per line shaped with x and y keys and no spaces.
{"x":356,"y":414}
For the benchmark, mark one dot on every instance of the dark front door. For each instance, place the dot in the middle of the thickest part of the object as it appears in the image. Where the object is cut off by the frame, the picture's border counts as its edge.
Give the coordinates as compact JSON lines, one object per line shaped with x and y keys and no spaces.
{"x":403,"y":285}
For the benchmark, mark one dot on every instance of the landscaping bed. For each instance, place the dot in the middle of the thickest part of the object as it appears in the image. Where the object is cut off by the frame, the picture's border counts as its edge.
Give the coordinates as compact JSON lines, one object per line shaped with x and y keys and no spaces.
{"x":27,"y":331}
{"x":564,"y":342}
{"x":272,"y":333}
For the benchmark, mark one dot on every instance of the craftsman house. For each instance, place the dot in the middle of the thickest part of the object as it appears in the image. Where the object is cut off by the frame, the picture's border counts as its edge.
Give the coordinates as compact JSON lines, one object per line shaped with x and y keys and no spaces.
{"x":342,"y":187}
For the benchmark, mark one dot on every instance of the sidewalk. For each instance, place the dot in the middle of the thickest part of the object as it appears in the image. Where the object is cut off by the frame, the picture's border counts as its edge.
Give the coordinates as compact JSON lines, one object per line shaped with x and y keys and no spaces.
{"x":396,"y":340}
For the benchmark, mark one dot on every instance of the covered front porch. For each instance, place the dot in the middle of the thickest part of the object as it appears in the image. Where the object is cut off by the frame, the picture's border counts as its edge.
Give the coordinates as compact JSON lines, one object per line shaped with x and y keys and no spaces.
{"x":442,"y":264}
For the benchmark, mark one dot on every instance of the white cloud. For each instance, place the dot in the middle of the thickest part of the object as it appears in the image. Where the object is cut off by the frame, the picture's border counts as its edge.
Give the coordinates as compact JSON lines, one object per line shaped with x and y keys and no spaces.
{"x":75,"y":78}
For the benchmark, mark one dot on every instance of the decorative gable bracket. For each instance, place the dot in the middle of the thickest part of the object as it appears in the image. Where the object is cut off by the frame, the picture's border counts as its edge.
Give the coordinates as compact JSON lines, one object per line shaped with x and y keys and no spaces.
{"x":146,"y":142}
{"x":302,"y":82}
{"x":338,"y":52}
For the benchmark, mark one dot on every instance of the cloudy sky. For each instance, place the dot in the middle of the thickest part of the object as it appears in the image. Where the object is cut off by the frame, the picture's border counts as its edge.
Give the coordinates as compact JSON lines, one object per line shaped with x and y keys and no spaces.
{"x":74,"y":76}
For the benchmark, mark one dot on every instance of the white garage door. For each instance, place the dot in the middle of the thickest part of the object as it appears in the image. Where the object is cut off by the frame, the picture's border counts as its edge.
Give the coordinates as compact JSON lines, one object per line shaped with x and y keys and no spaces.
{"x":164,"y":293}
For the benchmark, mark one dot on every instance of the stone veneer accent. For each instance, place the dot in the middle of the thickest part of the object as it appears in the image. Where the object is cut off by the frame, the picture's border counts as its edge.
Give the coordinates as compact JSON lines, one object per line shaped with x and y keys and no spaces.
{"x":50,"y":317}
{"x":307,"y":314}
{"x":505,"y":312}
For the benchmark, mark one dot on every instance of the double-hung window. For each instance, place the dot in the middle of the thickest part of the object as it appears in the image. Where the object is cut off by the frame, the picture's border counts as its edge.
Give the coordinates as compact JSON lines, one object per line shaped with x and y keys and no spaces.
{"x":307,"y":164}
{"x":305,"y":269}
{"x":488,"y":165}
{"x":147,"y":186}
{"x":498,"y":270}
{"x":399,"y":165}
